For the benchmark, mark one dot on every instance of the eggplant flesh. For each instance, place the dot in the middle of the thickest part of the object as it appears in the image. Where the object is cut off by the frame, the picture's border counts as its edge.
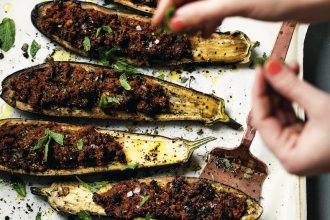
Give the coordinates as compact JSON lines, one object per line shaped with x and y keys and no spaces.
{"x":220,"y":48}
{"x":72,"y":197}
{"x":141,"y":151}
{"x":147,"y":8}
{"x":184,"y":104}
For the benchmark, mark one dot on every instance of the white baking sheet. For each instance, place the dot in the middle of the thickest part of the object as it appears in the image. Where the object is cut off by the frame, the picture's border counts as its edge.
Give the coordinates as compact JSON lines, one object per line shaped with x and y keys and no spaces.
{"x":283,"y":195}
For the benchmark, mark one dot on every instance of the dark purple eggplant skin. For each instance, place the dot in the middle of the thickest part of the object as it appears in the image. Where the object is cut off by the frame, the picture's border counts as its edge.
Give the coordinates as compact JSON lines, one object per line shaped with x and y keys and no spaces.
{"x":6,"y":88}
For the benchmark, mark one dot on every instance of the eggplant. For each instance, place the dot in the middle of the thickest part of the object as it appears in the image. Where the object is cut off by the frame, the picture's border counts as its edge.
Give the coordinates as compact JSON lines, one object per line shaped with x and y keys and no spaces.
{"x":183,"y":104}
{"x":102,"y":29}
{"x":146,"y":7}
{"x":140,"y":150}
{"x":73,"y":198}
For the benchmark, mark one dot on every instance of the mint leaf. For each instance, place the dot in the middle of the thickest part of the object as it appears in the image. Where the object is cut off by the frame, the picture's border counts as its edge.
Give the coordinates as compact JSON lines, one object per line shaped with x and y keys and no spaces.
{"x":123,"y":82}
{"x":40,"y":143}
{"x":98,"y":31}
{"x":35,"y":47}
{"x":19,"y":186}
{"x":57,"y":137}
{"x":144,"y":200}
{"x":38,"y":216}
{"x":7,"y":34}
{"x":259,"y":61}
{"x":87,"y":44}
{"x":106,"y":54}
{"x":130,"y":166}
{"x":107,"y":29}
{"x":80,"y":144}
{"x":105,"y":100}
{"x":148,"y":216}
{"x":122,"y":67}
{"x":84,"y":215}
{"x":93,"y":187}
{"x":168,"y":16}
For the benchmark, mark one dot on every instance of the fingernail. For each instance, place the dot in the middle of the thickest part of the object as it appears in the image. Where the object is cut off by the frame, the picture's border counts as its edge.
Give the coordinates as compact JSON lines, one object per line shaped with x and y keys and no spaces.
{"x":176,"y":24}
{"x":274,"y":67}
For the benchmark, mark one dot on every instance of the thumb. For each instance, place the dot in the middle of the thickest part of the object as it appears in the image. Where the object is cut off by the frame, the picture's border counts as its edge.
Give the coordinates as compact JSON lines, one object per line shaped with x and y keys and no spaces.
{"x":286,"y":82}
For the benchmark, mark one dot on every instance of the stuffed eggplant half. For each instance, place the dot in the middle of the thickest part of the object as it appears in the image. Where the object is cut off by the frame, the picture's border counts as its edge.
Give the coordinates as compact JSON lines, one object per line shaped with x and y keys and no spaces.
{"x":44,"y":148}
{"x":158,"y":198}
{"x":97,"y":32}
{"x":85,"y":90}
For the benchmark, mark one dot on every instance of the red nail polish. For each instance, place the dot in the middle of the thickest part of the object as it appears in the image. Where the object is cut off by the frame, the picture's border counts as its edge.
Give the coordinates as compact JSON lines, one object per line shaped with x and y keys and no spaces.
{"x":176,"y":25}
{"x":274,"y":67}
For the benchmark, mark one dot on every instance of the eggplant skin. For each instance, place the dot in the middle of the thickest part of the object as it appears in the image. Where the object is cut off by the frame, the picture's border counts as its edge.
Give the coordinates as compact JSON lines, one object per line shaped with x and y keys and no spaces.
{"x":185,"y":104}
{"x":145,"y":151}
{"x":220,"y":48}
{"x":72,"y":197}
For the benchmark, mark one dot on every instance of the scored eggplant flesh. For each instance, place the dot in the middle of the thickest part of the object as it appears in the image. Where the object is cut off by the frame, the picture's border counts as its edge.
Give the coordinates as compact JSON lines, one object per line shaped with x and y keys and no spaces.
{"x":164,"y":198}
{"x":101,"y":150}
{"x":146,"y":6}
{"x":76,"y":89}
{"x":94,"y":31}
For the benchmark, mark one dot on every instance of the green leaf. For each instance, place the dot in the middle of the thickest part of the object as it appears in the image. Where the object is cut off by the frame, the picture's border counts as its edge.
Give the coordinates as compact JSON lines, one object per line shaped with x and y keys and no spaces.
{"x":93,"y":187}
{"x":84,"y":215}
{"x":35,"y":47}
{"x":19,"y":186}
{"x":87,"y":44}
{"x":130,"y":166}
{"x":144,"y":200}
{"x":40,"y":143}
{"x":98,"y":31}
{"x":106,"y":54}
{"x":7,"y":34}
{"x":46,"y":149}
{"x":123,"y":82}
{"x":38,"y":216}
{"x":259,"y":61}
{"x":57,"y":137}
{"x":122,"y":67}
{"x":104,"y":28}
{"x":80,"y":144}
{"x":105,"y":100}
{"x":107,"y":29}
{"x":148,"y":216}
{"x":168,"y":16}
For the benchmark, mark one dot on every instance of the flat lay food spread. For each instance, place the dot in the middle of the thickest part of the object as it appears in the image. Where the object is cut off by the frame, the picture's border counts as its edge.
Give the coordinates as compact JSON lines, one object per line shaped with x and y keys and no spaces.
{"x":116,"y":121}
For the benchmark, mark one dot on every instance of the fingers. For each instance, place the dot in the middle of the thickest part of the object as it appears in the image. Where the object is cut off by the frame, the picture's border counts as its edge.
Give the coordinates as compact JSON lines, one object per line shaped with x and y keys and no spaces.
{"x":283,"y":80}
{"x":162,"y":6}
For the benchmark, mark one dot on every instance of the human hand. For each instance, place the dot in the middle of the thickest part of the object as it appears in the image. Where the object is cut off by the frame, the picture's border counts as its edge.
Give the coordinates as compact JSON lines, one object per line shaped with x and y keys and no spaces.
{"x":206,"y":15}
{"x":303,"y":148}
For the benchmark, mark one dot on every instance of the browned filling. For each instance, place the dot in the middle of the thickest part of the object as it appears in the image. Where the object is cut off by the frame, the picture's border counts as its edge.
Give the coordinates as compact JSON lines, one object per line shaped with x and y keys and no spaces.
{"x":150,"y":3}
{"x":62,"y":85}
{"x":18,"y":142}
{"x":131,"y":38}
{"x":178,"y":200}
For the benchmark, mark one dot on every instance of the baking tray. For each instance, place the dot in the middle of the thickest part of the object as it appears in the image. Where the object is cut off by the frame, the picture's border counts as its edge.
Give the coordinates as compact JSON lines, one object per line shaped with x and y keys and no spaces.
{"x":283,"y":195}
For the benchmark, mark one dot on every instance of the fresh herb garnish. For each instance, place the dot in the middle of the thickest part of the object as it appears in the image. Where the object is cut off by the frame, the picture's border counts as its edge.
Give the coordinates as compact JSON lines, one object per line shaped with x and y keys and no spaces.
{"x":84,"y":215}
{"x":248,"y":173}
{"x":104,"y":28}
{"x":45,"y":141}
{"x":87,"y":44}
{"x":124,"y":83}
{"x":148,"y":216}
{"x":130,"y":166}
{"x":144,"y":200}
{"x":106,"y":54}
{"x":93,"y":187}
{"x":122,"y":67}
{"x":35,"y":47}
{"x":38,"y":216}
{"x":19,"y":186}
{"x":80,"y":144}
{"x":7,"y":34}
{"x":259,"y":61}
{"x":106,"y":100}
{"x":168,"y":16}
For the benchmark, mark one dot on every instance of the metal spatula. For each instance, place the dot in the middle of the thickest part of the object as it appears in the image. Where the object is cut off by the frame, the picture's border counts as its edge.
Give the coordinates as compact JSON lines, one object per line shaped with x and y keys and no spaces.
{"x":238,"y":168}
